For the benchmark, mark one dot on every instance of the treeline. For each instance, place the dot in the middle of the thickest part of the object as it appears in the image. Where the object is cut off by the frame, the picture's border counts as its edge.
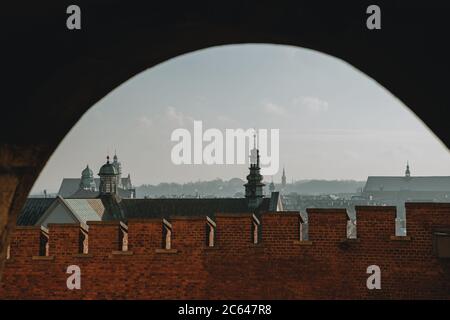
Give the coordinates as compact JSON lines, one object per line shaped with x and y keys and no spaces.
{"x":235,"y":188}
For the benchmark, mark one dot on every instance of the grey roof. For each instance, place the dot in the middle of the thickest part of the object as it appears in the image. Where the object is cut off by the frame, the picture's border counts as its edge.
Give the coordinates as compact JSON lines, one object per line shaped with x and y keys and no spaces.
{"x":89,"y":194}
{"x":32,"y":210}
{"x":84,"y":194}
{"x":86,"y":209}
{"x":99,"y":209}
{"x":156,"y":208}
{"x":69,"y":186}
{"x":432,"y":183}
{"x":275,"y":201}
{"x":124,"y":193}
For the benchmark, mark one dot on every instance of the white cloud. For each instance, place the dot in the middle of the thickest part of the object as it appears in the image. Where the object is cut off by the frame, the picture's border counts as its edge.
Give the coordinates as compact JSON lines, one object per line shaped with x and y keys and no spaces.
{"x":275,"y":109}
{"x":177,"y":116}
{"x":145,"y":121}
{"x":227,"y":121}
{"x":170,"y":117}
{"x":312,"y":104}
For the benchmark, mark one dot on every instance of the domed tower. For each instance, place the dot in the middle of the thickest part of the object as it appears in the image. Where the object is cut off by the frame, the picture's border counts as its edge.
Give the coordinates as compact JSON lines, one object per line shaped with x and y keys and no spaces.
{"x":87,"y":179}
{"x":108,"y":178}
{"x":254,"y":186}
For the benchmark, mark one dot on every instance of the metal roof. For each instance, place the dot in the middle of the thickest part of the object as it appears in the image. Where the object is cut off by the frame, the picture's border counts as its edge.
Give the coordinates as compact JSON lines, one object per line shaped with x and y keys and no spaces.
{"x":32,"y":210}
{"x":84,"y":210}
{"x":100,"y":209}
{"x":432,"y":183}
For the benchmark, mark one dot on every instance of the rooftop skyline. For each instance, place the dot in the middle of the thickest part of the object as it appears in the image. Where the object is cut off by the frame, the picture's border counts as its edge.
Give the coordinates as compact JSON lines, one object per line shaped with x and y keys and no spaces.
{"x":334,"y":121}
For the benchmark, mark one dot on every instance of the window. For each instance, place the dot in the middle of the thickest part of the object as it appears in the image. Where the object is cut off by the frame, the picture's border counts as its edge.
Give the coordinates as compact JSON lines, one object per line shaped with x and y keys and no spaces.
{"x":304,"y":231}
{"x":167,"y":235}
{"x":255,"y":230}
{"x":441,"y":243}
{"x":43,"y":245}
{"x":83,"y":243}
{"x":210,"y":233}
{"x":123,"y":243}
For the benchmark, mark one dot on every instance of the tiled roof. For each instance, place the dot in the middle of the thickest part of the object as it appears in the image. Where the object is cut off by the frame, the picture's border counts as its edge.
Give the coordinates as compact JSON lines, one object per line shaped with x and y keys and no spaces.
{"x":102,"y":208}
{"x":32,"y":210}
{"x":97,"y":206}
{"x":86,"y":209}
{"x":149,"y":208}
{"x":84,"y":194}
{"x":436,"y":184}
{"x":69,"y":186}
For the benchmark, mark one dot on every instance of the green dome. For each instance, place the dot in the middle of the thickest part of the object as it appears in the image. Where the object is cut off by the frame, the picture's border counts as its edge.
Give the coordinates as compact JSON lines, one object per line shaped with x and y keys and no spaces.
{"x":87,"y":172}
{"x":108,"y":169}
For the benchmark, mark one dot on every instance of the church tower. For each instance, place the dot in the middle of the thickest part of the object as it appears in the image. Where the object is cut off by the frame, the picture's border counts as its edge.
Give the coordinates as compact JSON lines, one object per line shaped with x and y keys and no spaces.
{"x":407,"y":172}
{"x":109,"y":194}
{"x":118,"y":167}
{"x":108,"y":179}
{"x":283,"y":179}
{"x":254,"y":186}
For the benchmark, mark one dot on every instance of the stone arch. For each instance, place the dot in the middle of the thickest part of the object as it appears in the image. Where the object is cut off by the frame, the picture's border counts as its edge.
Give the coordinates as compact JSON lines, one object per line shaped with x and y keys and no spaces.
{"x":55,"y":75}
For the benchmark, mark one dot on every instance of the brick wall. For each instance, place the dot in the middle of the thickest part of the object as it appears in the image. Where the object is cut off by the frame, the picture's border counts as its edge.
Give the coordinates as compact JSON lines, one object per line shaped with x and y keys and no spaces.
{"x":276,"y":266}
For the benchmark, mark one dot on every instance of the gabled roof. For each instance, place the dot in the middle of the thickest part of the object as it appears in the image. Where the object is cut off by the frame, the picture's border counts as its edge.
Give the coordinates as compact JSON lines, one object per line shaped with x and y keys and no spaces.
{"x":82,"y":210}
{"x":33,"y":210}
{"x":69,"y":186}
{"x":97,"y":209}
{"x":432,"y":183}
{"x":86,"y":209}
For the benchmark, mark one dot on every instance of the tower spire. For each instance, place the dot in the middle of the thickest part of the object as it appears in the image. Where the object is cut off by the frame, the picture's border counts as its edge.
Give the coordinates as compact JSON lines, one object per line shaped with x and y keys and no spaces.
{"x":254,"y":186}
{"x":407,"y":172}
{"x":254,"y":153}
{"x":283,"y":178}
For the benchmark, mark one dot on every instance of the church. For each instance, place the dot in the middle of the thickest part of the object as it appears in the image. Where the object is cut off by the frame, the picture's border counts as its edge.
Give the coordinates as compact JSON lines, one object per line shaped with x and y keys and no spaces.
{"x":86,"y":199}
{"x":88,"y":187}
{"x":407,"y":188}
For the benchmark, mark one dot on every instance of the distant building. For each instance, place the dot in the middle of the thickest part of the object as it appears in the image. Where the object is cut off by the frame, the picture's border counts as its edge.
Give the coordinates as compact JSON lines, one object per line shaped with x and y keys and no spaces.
{"x":407,"y":188}
{"x":89,"y":187}
{"x":271,"y":187}
{"x":104,"y":201}
{"x":283,"y":179}
{"x":254,"y":186}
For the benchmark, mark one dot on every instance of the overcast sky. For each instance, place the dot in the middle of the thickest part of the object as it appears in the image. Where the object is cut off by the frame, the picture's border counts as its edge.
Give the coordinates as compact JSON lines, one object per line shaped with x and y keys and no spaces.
{"x":334,"y":121}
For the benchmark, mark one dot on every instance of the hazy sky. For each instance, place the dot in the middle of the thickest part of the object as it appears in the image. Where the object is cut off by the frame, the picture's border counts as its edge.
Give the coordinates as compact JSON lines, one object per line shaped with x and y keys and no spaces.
{"x":334,"y":121}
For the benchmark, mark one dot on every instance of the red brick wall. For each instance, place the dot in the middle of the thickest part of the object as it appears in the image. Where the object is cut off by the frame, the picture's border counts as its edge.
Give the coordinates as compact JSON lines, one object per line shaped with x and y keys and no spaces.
{"x":279,"y":266}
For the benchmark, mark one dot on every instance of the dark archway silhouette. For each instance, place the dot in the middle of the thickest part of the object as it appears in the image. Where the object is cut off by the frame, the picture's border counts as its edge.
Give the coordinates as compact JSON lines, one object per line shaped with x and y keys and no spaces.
{"x":53,"y":75}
